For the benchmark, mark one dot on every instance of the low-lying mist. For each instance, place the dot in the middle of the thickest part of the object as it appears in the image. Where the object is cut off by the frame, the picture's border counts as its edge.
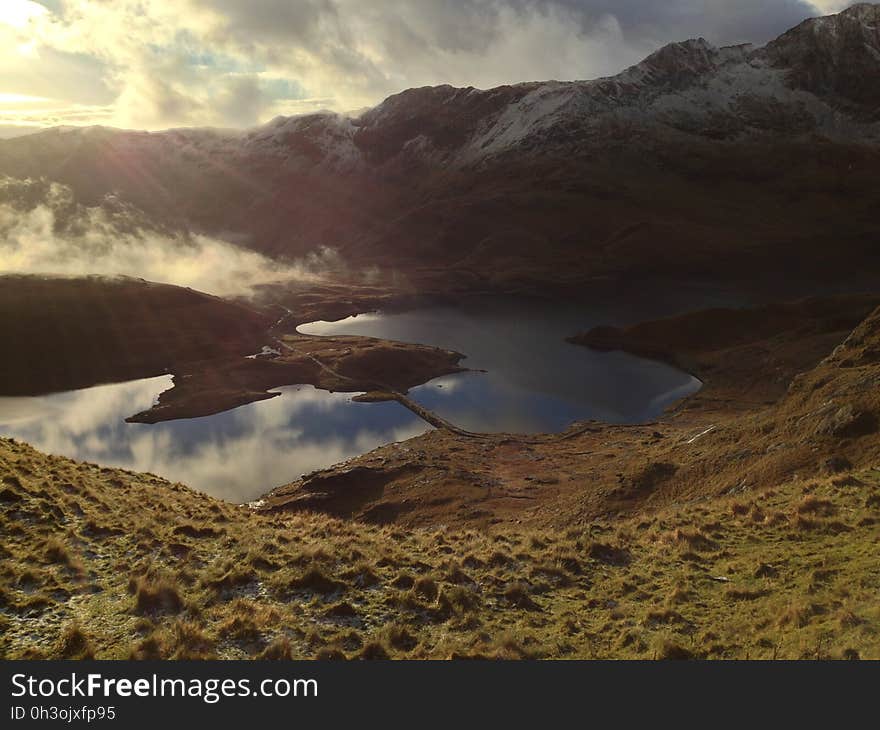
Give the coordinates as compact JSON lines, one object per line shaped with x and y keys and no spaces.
{"x":43,"y":230}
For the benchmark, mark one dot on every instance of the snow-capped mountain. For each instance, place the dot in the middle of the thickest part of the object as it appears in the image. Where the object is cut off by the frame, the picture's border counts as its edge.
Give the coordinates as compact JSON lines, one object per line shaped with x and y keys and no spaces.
{"x":663,"y":160}
{"x":821,"y":78}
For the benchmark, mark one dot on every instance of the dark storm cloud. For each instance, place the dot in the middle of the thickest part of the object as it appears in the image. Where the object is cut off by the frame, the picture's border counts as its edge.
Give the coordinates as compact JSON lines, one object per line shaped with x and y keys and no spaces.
{"x":720,"y":21}
{"x":473,"y":26}
{"x":384,"y":45}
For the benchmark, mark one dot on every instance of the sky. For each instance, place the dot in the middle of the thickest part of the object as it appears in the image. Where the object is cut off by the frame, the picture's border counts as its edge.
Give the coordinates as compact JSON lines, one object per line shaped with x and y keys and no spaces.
{"x":155,"y":64}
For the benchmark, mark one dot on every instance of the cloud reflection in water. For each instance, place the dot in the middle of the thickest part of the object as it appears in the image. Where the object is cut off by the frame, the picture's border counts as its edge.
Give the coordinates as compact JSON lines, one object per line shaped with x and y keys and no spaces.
{"x":237,"y":455}
{"x":536,"y":382}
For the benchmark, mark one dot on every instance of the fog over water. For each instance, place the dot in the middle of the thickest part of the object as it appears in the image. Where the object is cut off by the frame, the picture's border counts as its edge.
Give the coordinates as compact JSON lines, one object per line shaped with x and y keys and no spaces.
{"x":43,"y":230}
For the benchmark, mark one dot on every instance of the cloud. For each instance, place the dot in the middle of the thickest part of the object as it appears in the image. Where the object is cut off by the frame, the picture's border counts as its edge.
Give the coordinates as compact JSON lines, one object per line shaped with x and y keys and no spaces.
{"x":237,"y":62}
{"x":44,"y":231}
{"x":243,"y":101}
{"x":833,"y":6}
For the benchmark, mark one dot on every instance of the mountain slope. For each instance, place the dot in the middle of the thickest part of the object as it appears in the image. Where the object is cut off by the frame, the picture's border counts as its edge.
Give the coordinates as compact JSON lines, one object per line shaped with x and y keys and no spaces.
{"x":642,"y":171}
{"x":792,"y":573}
{"x":75,"y":333}
{"x":782,"y":563}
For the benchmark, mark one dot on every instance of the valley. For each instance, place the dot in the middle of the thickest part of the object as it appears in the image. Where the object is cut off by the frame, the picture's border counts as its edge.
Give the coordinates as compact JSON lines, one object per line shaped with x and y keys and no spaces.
{"x":580,"y":369}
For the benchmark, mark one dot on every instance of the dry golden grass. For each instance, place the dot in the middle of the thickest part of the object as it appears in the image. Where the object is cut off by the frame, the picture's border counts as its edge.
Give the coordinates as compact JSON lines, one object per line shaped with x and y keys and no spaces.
{"x":105,"y":563}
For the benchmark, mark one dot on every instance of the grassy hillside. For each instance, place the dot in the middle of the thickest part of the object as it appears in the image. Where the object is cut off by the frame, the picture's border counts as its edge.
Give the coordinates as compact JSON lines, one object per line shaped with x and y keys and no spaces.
{"x":76,"y":332}
{"x":758,"y":537}
{"x":106,"y":563}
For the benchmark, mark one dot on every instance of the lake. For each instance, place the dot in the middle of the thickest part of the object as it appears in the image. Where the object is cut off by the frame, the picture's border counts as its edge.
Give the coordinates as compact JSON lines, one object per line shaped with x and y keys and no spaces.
{"x":237,"y":455}
{"x":534,"y":382}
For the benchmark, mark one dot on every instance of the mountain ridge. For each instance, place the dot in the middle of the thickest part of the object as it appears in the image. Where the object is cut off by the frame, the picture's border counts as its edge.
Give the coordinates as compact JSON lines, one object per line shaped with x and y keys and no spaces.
{"x":837,"y":38}
{"x":539,"y":180}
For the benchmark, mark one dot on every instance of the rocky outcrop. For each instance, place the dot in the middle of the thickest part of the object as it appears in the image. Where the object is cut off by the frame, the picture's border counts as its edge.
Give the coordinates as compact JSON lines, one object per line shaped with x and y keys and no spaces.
{"x":837,"y":58}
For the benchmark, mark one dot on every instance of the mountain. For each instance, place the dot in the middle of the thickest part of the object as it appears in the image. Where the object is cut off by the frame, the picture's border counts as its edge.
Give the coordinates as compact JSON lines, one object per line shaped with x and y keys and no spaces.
{"x":818,"y":79}
{"x":75,"y":333}
{"x":699,"y":160}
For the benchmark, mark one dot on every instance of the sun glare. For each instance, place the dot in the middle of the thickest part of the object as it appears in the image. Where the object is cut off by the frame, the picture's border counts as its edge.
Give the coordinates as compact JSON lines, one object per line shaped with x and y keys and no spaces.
{"x":21,"y":99}
{"x":18,"y":13}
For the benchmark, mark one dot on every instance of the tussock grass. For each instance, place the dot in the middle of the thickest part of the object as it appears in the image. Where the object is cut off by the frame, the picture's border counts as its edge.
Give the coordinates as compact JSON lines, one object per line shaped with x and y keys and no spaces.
{"x":74,"y":644}
{"x":317,"y":580}
{"x":789,"y":573}
{"x":156,"y":595}
{"x":279,"y":649}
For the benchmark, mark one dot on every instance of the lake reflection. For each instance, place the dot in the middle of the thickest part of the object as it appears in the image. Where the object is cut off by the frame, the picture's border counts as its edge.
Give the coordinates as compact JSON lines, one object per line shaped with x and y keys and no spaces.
{"x":535,"y":382}
{"x":237,"y":455}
